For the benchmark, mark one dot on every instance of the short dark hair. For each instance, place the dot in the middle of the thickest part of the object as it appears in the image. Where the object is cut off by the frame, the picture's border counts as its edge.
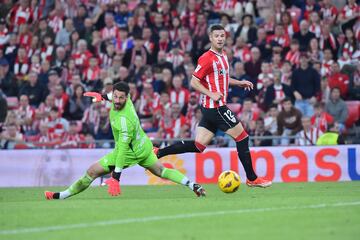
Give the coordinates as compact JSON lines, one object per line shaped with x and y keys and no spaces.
{"x":216,"y":27}
{"x":122,"y":87}
{"x":54,"y":109}
{"x":287,"y":99}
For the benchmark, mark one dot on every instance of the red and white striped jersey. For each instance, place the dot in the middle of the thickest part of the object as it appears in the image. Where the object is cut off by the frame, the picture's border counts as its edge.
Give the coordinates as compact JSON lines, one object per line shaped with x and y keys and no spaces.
{"x":56,"y":23}
{"x":328,"y":12}
{"x":25,"y":40}
{"x":172,"y":127}
{"x":308,"y":138}
{"x":27,"y":112}
{"x":92,"y":74}
{"x":326,"y":68}
{"x":47,"y":52}
{"x":181,"y":97}
{"x":110,"y":33}
{"x":293,"y":57}
{"x":213,"y":72}
{"x":21,"y":67}
{"x":149,"y":103}
{"x":61,"y":102}
{"x":82,"y":59}
{"x":20,"y":15}
{"x":350,"y":11}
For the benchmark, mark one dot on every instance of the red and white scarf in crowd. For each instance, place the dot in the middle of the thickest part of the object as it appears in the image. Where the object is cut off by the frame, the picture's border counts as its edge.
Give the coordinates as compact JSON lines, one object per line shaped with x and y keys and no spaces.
{"x":21,"y":68}
{"x":326,"y":68}
{"x":331,"y":39}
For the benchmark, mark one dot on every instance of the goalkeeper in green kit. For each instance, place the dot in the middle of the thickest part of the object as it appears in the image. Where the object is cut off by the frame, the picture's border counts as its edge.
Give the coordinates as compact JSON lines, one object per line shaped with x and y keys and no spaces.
{"x":132,"y":146}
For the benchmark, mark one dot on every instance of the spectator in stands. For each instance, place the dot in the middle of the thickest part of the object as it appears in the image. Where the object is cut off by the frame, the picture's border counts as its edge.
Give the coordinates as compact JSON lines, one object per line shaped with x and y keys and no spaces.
{"x":33,"y":89}
{"x":277,"y":92}
{"x":63,"y":36}
{"x":78,"y":103}
{"x":91,"y":117}
{"x":328,"y":40}
{"x":72,"y":138}
{"x":321,"y":119}
{"x":309,"y":134}
{"x":61,"y":98}
{"x":270,"y":122}
{"x":8,"y":83}
{"x":304,"y":36}
{"x":247,"y":113}
{"x":260,"y":132}
{"x":253,"y":67}
{"x":58,"y":126}
{"x":289,"y":122}
{"x":339,"y":80}
{"x":103,"y":129}
{"x":326,"y":63}
{"x":266,"y":77}
{"x":11,"y":136}
{"x":237,"y":94}
{"x":3,"y":108}
{"x":44,"y":29}
{"x":246,"y":30}
{"x":314,"y":51}
{"x":354,"y":85}
{"x":173,"y":122}
{"x":293,"y":56}
{"x":59,"y":61}
{"x":148,"y":101}
{"x":179,"y":94}
{"x":337,"y":108}
{"x":25,"y":114}
{"x":286,"y":73}
{"x":306,"y":85}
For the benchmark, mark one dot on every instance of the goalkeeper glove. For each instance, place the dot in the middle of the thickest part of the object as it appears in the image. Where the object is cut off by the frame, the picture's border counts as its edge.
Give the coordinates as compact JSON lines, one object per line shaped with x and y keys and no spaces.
{"x":113,"y":186}
{"x":97,"y":97}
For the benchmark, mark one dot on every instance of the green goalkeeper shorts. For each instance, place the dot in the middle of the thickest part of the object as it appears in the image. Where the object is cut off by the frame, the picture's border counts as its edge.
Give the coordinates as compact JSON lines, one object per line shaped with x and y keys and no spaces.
{"x":108,"y":161}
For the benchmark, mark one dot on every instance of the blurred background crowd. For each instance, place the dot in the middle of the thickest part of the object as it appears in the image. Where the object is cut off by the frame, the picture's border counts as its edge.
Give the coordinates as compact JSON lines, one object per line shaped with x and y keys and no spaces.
{"x":302,"y":57}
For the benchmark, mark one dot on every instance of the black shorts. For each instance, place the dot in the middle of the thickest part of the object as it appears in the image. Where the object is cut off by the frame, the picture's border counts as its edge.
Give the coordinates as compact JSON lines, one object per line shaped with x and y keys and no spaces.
{"x":218,"y":118}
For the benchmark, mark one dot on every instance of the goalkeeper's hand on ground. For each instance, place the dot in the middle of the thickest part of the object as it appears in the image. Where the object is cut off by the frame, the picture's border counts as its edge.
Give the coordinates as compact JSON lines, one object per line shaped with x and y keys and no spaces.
{"x":113,"y":186}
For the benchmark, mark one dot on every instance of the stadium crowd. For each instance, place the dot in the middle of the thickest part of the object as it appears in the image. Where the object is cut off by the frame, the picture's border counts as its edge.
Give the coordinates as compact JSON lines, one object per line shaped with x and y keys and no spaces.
{"x":302,"y":57}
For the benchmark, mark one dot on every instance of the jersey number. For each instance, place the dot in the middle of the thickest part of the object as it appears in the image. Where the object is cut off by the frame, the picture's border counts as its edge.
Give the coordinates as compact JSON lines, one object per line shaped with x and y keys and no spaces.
{"x":230,"y":116}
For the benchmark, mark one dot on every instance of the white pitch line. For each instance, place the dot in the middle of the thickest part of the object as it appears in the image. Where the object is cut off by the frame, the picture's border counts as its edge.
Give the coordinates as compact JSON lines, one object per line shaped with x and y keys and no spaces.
{"x":171,"y":217}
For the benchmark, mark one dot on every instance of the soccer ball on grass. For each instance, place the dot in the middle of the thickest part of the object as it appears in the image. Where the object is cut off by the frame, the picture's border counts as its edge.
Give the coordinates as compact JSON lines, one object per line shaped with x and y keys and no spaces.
{"x":229,"y":181}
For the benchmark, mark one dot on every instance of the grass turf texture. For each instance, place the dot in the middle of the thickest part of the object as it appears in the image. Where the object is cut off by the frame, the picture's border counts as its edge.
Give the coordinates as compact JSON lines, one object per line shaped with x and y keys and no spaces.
{"x":164,"y":212}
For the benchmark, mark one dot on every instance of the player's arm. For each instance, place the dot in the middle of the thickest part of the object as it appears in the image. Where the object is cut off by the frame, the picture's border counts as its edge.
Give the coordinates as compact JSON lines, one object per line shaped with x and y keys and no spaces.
{"x":196,"y":84}
{"x":241,"y":83}
{"x":122,"y":145}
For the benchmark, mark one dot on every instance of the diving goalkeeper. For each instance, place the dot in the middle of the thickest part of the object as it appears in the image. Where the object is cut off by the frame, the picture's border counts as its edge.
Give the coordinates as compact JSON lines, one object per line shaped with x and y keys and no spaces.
{"x":132,"y":146}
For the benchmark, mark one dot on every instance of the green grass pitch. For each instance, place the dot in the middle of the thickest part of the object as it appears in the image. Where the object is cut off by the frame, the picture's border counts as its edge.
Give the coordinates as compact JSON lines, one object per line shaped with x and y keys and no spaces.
{"x":283,"y":211}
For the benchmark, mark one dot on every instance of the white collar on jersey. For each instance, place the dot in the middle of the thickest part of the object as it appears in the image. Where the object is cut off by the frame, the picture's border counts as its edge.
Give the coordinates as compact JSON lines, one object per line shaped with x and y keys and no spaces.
{"x":221,"y":55}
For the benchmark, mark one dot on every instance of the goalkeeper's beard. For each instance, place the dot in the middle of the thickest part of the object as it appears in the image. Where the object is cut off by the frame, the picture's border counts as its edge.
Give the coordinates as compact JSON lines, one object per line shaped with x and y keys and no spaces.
{"x":119,"y":106}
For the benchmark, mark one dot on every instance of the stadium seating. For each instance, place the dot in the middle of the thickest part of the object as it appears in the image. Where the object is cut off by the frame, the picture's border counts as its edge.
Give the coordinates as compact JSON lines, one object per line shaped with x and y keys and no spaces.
{"x":354,"y":113}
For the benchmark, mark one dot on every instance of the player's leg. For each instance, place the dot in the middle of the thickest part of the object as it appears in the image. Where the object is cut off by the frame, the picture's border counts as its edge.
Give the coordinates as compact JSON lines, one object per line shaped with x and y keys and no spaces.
{"x":156,"y":168}
{"x":204,"y":134}
{"x":228,"y":123}
{"x":96,"y":170}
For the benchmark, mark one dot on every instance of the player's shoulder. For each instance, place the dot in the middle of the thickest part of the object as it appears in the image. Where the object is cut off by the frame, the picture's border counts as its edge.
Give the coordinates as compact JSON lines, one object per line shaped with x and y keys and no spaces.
{"x":206,"y":56}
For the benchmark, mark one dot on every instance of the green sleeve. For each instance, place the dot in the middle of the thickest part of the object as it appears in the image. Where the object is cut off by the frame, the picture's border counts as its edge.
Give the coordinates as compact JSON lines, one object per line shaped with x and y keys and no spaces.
{"x":123,"y":138}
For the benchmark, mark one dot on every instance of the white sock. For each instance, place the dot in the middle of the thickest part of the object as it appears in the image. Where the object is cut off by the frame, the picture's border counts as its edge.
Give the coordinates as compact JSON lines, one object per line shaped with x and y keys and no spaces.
{"x":64,"y":194}
{"x":186,"y":182}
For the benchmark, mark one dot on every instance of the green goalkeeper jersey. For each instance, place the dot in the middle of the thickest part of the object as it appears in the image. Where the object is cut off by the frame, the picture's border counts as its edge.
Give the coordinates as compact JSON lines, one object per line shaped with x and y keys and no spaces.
{"x":128,"y":134}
